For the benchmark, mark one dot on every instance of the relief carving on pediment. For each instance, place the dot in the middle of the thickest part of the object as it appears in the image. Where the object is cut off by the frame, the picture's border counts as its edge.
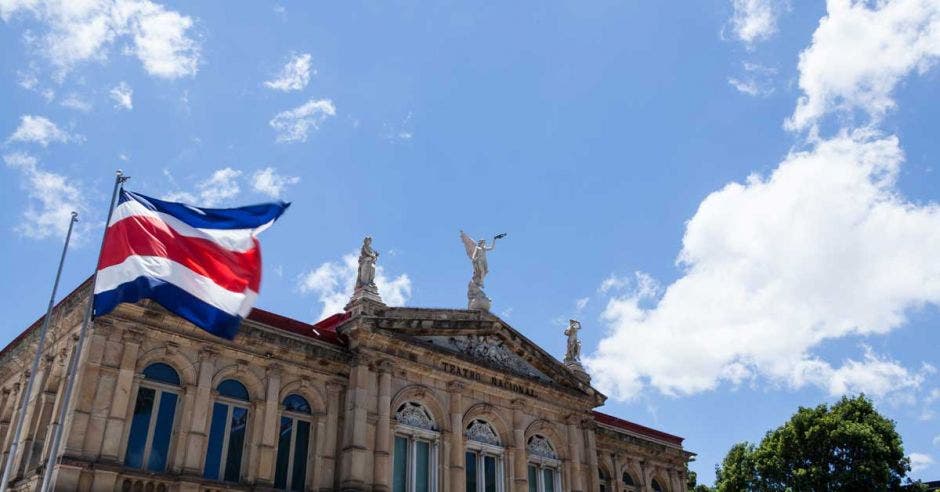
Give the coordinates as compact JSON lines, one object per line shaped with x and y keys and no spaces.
{"x":489,"y":350}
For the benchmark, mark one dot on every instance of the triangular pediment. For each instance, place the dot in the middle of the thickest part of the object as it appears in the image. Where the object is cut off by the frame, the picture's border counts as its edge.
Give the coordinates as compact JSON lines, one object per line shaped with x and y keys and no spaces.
{"x":483,"y":339}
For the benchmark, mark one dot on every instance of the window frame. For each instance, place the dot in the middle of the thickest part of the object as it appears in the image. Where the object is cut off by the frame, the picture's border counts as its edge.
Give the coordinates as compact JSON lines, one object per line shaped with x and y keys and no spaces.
{"x":230,"y":404}
{"x":159,"y":388}
{"x":295,"y":418}
{"x":542,"y":463}
{"x":482,"y":450}
{"x":413,"y":435}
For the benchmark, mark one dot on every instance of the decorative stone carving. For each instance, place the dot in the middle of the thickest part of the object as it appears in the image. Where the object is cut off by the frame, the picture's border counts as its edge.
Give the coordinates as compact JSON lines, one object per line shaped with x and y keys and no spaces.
{"x":414,"y":415}
{"x":476,"y":251}
{"x":573,"y":353}
{"x":365,"y":277}
{"x":492,"y":351}
{"x":539,"y":446}
{"x":480,"y":431}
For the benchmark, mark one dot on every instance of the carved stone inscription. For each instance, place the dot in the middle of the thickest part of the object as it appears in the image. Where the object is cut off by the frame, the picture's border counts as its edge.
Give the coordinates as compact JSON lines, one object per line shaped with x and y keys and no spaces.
{"x":495,"y":381}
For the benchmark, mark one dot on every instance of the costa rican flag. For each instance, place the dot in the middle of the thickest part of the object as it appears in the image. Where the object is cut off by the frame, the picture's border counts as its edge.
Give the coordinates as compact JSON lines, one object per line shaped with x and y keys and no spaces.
{"x":203,"y":264}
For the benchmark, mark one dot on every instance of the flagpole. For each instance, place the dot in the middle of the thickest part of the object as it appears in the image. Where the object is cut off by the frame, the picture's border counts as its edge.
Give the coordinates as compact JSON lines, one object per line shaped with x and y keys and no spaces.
{"x":24,"y":399}
{"x":59,"y":423}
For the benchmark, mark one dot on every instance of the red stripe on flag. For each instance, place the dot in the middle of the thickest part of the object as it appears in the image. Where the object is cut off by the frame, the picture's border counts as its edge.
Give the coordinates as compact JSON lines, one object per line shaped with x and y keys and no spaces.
{"x":149,"y":236}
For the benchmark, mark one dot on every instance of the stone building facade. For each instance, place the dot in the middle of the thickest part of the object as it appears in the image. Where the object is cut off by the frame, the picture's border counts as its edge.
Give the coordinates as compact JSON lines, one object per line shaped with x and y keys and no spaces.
{"x":375,"y":398}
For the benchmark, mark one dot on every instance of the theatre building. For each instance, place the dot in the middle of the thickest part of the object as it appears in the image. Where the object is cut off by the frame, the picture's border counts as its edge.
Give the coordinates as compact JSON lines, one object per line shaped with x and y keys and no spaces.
{"x":377,"y":398}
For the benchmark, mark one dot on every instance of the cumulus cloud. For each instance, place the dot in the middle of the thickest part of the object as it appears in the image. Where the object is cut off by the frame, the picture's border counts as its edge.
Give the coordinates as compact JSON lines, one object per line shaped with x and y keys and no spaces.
{"x":823,"y":248}
{"x":859,"y":53}
{"x":333,"y":283}
{"x":754,"y":20}
{"x":76,"y":32}
{"x":37,"y":129}
{"x":293,"y":125}
{"x":268,"y":182}
{"x":51,"y":199}
{"x":920,"y":461}
{"x":294,"y":76}
{"x":123,"y":96}
{"x":219,"y":188}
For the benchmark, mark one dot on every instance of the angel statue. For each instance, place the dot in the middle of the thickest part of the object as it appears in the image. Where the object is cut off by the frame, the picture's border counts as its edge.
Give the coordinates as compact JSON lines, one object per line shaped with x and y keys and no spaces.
{"x":573,"y":354}
{"x":367,"y":259}
{"x":476,"y":250}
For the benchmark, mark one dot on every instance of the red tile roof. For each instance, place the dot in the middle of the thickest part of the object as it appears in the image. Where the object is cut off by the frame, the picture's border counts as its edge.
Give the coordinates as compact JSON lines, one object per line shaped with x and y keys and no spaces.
{"x":324,"y":330}
{"x":637,"y":428}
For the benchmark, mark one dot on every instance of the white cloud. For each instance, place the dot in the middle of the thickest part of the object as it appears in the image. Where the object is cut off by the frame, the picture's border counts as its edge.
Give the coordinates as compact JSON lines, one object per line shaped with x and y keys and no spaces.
{"x":333,"y":283}
{"x":936,"y":440}
{"x":76,"y":102}
{"x":823,"y":248}
{"x":51,"y":200}
{"x":757,"y":80}
{"x":581,"y":303}
{"x":754,"y":20}
{"x":218,"y":189}
{"x":920,"y":462}
{"x":859,"y":53}
{"x":81,"y":31}
{"x":123,"y":95}
{"x":37,"y":129}
{"x":294,"y":76}
{"x":267,"y":181}
{"x":294,"y":124}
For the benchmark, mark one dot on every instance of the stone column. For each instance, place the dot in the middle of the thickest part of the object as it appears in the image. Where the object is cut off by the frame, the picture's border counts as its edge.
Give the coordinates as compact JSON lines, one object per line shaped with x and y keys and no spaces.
{"x":330,"y":433}
{"x":353,"y":457}
{"x":591,"y":450}
{"x":381,"y":468}
{"x":272,"y":405}
{"x":574,"y":454}
{"x":200,"y":413}
{"x":12,"y":410}
{"x":455,"y":391}
{"x":5,"y":397}
{"x":114,"y":427}
{"x":520,"y":460}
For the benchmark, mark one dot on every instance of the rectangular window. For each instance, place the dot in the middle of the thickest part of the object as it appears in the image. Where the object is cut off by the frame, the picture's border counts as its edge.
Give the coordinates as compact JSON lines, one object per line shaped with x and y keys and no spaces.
{"x":471,"y":472}
{"x":422,"y":466}
{"x":489,"y":473}
{"x":163,"y":431}
{"x":140,"y":424}
{"x":216,"y":440}
{"x":283,"y":453}
{"x":236,"y":441}
{"x":400,"y":467}
{"x":300,"y":456}
{"x":548,"y":479}
{"x":533,"y":479}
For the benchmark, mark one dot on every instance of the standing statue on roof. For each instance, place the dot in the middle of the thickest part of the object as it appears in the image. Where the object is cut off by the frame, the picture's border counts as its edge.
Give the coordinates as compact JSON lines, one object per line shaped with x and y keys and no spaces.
{"x":367,"y":259}
{"x":476,"y":251}
{"x":574,"y":343}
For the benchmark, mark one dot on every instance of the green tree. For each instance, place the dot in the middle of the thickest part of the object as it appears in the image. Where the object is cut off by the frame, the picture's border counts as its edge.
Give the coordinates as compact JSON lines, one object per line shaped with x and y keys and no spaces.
{"x":848,"y":446}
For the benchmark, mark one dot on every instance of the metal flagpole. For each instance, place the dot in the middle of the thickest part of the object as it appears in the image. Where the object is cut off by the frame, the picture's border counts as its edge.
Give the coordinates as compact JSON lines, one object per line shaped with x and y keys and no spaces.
{"x":58,"y":424}
{"x":24,"y":399}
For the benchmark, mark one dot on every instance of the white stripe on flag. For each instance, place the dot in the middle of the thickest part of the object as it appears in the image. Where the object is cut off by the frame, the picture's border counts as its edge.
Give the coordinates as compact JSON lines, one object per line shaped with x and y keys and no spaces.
{"x":238,"y":240}
{"x":201,"y":287}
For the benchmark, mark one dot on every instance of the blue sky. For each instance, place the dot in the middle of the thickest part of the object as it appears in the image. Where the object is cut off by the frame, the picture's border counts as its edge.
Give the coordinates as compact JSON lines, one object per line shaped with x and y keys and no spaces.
{"x":738,"y":199}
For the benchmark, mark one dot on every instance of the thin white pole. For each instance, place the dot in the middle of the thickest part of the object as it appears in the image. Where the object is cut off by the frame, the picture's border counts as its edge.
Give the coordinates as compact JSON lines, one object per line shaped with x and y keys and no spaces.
{"x":58,"y":424}
{"x":24,"y":398}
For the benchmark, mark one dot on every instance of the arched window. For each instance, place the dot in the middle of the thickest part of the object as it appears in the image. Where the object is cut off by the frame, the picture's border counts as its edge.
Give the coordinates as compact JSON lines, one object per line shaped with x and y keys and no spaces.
{"x":544,"y":465}
{"x":148,"y":441}
{"x":227,"y":432}
{"x":629,"y":484}
{"x":414,"y":457}
{"x":484,"y":467}
{"x":656,"y":486}
{"x":290,"y":472}
{"x":604,"y":479}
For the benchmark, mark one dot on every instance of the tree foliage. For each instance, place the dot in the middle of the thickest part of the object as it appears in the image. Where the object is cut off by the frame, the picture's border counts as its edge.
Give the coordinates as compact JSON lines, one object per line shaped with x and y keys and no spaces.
{"x":848,"y":446}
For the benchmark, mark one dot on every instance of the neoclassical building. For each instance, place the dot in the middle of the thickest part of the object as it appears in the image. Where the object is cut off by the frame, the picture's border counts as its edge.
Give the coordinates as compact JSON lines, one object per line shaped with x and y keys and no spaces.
{"x":375,"y":398}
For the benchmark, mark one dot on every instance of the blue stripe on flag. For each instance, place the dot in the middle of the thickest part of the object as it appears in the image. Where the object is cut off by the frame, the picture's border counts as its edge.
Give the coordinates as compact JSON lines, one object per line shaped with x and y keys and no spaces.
{"x":176,"y":300}
{"x":248,"y":217}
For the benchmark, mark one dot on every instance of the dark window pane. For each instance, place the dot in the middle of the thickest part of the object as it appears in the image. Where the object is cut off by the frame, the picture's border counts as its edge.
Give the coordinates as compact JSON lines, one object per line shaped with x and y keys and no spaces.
{"x":489,"y":474}
{"x":400,"y":468}
{"x":548,"y":478}
{"x":162,"y":432}
{"x":216,"y":435}
{"x":236,"y":441}
{"x":656,"y":487}
{"x":471,"y":472}
{"x":140,"y":423}
{"x":283,"y":453}
{"x":627,"y":479}
{"x":300,"y":456}
{"x":296,"y":403}
{"x":163,"y":373}
{"x":422,"y":466}
{"x":533,"y":479}
{"x":233,"y":389}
